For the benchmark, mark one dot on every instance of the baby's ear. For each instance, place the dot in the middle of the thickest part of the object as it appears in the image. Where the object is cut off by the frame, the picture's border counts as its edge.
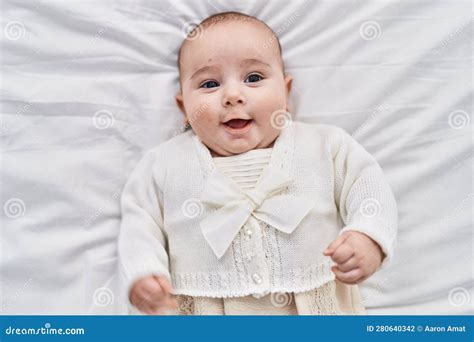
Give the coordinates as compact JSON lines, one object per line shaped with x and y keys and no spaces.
{"x":180,"y":103}
{"x":288,"y":83}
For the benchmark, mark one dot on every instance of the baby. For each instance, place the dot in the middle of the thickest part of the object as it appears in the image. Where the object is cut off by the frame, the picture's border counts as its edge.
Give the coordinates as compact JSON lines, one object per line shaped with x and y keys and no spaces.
{"x":250,"y":212}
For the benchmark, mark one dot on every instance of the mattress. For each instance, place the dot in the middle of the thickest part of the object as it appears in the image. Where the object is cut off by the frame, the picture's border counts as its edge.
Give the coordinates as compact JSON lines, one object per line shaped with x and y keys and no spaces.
{"x":88,"y":86}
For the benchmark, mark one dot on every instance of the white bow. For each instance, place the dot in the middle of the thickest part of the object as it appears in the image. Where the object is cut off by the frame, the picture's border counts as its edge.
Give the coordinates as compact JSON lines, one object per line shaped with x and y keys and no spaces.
{"x":234,"y":207}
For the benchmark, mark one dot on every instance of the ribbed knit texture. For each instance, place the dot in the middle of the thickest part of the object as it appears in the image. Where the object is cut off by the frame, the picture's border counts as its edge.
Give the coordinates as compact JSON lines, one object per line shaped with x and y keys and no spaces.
{"x":161,"y":215}
{"x":245,"y":170}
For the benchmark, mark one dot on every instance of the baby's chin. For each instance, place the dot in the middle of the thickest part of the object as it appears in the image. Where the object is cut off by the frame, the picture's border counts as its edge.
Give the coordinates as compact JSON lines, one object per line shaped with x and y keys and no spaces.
{"x":237,"y":146}
{"x":225,"y":151}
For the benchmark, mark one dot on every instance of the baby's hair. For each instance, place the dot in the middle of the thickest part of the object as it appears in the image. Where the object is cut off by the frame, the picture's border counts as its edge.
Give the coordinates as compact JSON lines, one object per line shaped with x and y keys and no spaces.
{"x":229,"y":16}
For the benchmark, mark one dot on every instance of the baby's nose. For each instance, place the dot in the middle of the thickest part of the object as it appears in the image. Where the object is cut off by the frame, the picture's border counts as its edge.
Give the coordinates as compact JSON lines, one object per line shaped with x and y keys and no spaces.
{"x":232,"y":97}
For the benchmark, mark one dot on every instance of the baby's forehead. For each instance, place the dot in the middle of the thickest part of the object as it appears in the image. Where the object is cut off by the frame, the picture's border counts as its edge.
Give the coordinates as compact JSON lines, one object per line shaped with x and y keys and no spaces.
{"x":251,"y":38}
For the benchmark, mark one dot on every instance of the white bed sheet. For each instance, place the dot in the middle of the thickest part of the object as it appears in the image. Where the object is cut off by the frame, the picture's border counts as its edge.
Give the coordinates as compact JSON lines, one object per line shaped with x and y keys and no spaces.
{"x":87,"y":87}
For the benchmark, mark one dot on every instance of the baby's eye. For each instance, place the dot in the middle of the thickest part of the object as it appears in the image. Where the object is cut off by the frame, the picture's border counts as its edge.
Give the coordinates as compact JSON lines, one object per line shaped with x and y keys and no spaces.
{"x":209,"y":84}
{"x":253,"y":78}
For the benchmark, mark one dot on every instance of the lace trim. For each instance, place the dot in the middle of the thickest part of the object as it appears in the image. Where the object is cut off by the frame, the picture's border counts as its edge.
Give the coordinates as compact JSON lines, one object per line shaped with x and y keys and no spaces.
{"x":318,"y":301}
{"x":322,"y":300}
{"x":198,"y":306}
{"x":185,"y":305}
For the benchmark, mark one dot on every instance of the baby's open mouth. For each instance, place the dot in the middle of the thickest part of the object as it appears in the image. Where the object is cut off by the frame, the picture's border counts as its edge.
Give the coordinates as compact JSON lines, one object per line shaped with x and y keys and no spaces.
{"x":237,"y":123}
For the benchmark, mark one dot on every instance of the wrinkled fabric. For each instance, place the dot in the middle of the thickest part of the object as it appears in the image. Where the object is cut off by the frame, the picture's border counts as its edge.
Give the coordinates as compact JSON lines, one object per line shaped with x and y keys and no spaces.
{"x":87,"y":87}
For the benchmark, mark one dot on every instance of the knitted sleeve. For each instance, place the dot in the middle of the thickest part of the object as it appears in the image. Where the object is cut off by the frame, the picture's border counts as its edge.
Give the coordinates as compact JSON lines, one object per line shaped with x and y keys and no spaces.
{"x":364,"y":198}
{"x":142,"y":243}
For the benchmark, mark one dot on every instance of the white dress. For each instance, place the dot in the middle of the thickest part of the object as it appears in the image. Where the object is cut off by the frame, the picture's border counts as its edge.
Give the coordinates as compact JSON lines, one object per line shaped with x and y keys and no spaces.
{"x":333,"y":298}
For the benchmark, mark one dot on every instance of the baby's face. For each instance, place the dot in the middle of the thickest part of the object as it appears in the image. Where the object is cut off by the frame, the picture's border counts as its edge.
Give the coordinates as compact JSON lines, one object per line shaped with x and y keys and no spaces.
{"x":231,"y":82}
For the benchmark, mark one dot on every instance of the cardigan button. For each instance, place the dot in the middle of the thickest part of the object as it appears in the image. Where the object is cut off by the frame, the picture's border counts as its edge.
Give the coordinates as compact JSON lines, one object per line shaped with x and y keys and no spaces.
{"x":256,"y":278}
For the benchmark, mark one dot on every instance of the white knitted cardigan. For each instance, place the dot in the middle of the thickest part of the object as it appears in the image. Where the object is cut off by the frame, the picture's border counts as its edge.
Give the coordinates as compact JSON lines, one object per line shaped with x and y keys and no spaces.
{"x":161,"y":215}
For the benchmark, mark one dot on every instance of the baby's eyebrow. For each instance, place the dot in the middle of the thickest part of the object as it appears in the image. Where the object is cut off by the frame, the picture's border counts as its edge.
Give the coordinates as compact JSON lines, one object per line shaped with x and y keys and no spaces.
{"x":250,"y":61}
{"x":203,"y":69}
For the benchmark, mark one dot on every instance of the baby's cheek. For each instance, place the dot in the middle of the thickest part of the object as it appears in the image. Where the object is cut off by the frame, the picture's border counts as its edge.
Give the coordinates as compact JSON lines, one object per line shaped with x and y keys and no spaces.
{"x":204,"y":122}
{"x":199,"y":110}
{"x":272,"y":100}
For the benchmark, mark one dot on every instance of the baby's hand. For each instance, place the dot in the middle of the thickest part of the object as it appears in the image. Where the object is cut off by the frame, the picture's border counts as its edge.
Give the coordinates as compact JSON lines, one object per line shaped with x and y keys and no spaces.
{"x":152,"y":295}
{"x":357,"y":257}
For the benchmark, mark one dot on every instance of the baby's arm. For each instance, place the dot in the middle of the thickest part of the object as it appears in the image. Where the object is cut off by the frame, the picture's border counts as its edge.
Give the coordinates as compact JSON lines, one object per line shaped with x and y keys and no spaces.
{"x":369,"y":211}
{"x":142,"y":244}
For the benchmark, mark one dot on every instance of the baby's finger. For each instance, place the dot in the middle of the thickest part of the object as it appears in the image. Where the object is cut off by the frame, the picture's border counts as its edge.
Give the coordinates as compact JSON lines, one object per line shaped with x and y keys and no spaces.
{"x":336,"y":243}
{"x":174,"y":302}
{"x":141,"y":302}
{"x":351,"y":277}
{"x":134,"y":298}
{"x":342,"y":253}
{"x":147,"y":309}
{"x":139,"y":296}
{"x":348,"y":265}
{"x":165,"y":284}
{"x":168,"y":303}
{"x":144,"y":305}
{"x":151,"y":290}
